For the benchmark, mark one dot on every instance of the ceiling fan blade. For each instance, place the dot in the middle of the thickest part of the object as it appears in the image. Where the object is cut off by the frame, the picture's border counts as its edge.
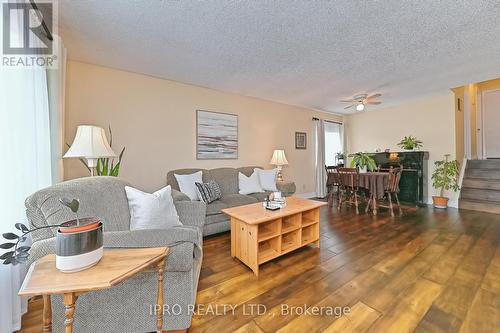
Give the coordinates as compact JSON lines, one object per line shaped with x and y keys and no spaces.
{"x":348,"y":107}
{"x":348,"y":100}
{"x":374,"y":96}
{"x":374,"y":102}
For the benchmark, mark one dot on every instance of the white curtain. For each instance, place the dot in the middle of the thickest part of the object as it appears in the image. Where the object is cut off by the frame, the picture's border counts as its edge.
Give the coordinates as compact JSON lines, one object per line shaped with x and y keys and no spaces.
{"x":26,"y":149}
{"x":319,"y":158}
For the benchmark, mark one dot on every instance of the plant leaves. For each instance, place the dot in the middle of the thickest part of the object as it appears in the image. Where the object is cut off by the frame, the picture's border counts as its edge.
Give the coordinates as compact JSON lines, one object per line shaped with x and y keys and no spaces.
{"x":121,"y":155}
{"x":74,"y":204}
{"x":114,"y":172}
{"x":23,"y":248}
{"x":6,"y":246}
{"x":22,"y":227}
{"x":8,"y":261}
{"x":6,"y":255}
{"x":110,"y":136}
{"x":10,"y":235}
{"x":22,"y":255}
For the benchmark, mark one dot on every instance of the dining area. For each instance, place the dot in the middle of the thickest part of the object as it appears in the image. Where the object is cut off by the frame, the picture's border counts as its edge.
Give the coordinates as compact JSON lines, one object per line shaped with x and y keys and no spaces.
{"x":375,"y":189}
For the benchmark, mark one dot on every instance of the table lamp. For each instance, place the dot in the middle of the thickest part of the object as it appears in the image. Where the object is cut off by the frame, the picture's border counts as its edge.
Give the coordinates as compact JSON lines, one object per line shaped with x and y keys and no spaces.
{"x":279,"y":160}
{"x":90,"y":143}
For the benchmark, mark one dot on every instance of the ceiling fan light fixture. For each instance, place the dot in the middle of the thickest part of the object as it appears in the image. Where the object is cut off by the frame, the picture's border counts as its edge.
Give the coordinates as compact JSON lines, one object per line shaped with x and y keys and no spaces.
{"x":360,"y":107}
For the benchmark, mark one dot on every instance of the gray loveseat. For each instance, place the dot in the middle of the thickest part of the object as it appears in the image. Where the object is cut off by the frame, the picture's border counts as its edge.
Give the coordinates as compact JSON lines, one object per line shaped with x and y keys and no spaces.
{"x":227,"y":178}
{"x":125,"y":307}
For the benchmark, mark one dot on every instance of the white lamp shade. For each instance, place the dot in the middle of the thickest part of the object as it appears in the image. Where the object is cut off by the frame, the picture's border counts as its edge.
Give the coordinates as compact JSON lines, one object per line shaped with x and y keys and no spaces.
{"x":278,"y":157}
{"x":90,"y":142}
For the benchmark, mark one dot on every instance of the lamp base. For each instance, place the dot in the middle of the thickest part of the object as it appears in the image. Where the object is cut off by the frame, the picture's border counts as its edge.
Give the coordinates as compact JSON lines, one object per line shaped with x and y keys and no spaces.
{"x":92,"y":164}
{"x":279,"y":176}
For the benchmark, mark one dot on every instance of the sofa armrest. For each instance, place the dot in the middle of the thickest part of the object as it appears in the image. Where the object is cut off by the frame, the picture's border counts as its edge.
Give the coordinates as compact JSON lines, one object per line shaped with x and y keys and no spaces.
{"x":191,"y":213}
{"x":150,"y":237}
{"x":179,"y":196}
{"x":41,"y":248}
{"x":185,"y":243}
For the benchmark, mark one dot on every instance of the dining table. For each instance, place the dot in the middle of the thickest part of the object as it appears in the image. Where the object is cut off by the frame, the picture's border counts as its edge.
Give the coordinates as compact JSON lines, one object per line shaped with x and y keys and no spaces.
{"x":375,"y":182}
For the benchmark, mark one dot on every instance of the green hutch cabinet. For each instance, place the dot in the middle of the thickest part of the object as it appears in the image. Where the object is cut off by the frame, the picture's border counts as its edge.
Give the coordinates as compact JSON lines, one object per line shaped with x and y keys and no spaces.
{"x":413,"y":183}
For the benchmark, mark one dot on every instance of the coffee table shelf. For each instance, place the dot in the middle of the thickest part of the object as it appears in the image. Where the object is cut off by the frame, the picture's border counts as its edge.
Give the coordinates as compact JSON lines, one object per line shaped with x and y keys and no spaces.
{"x":269,"y":230}
{"x":259,"y":235}
{"x":290,"y":241}
{"x":269,"y":249}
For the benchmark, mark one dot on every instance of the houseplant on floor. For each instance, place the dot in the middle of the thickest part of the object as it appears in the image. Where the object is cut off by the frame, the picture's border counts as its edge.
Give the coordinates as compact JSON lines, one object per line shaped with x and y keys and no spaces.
{"x":444,"y":177}
{"x":410,"y":143}
{"x":364,"y":161}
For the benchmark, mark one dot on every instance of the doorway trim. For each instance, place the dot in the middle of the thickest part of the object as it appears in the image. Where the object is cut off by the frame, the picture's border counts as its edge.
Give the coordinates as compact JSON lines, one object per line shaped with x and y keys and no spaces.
{"x":467,"y":124}
{"x":479,"y":125}
{"x":480,"y":115}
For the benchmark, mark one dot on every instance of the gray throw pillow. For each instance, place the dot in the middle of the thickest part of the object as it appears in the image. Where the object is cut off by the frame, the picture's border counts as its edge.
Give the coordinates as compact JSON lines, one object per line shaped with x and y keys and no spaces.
{"x":209,"y":192}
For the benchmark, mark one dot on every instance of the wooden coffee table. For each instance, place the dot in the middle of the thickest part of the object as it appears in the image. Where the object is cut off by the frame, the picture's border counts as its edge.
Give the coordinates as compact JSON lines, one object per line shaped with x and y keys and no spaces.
{"x":259,"y":235}
{"x":115,"y":266}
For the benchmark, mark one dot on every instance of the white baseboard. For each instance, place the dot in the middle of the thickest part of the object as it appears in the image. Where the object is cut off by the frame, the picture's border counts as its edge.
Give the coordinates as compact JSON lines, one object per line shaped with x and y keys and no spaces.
{"x":306,"y":195}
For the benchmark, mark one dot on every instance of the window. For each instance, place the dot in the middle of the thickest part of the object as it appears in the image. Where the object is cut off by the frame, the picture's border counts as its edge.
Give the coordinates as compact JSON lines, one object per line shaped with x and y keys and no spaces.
{"x":333,"y":141}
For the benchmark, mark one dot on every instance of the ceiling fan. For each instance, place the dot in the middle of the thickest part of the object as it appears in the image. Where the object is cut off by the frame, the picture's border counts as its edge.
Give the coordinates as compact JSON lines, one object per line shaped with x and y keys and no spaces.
{"x":361,"y":100}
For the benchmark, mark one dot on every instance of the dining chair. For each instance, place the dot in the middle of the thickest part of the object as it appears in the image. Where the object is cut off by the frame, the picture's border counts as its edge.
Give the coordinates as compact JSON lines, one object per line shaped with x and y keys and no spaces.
{"x":332,"y":182}
{"x":391,"y":188}
{"x":348,"y":187}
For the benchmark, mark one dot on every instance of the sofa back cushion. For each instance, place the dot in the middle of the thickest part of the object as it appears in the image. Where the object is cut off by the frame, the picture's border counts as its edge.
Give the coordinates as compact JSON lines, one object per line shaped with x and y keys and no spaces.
{"x":227,"y":178}
{"x":102,"y":197}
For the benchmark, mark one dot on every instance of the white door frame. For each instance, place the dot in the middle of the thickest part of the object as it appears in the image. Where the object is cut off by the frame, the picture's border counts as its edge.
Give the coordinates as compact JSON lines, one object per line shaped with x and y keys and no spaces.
{"x":479,"y":125}
{"x":481,"y":117}
{"x":467,"y":125}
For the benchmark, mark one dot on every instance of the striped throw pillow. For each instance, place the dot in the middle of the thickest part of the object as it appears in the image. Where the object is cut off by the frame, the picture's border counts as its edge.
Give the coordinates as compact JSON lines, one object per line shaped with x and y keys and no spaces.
{"x":209,"y":192}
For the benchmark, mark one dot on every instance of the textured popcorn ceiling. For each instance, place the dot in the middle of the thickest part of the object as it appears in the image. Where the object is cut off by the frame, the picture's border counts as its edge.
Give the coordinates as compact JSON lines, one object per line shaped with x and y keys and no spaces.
{"x":307,"y":53}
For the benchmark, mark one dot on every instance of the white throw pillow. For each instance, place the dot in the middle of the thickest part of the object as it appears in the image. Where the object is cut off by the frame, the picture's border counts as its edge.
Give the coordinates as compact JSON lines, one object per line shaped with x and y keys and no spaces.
{"x":187,"y":184}
{"x":267,"y":179}
{"x":250,"y":184}
{"x":151,"y":210}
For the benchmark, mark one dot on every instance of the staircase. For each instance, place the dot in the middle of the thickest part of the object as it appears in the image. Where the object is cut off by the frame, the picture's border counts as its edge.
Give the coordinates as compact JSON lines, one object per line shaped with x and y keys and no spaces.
{"x":481,"y":186}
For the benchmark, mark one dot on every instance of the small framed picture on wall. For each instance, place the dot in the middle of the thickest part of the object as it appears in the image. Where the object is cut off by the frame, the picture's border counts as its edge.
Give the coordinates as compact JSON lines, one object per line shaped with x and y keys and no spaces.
{"x":300,"y":140}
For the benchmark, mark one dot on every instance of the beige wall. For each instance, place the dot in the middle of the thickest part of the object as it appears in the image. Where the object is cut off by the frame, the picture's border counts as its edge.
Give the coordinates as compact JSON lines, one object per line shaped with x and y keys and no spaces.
{"x":431,"y":119}
{"x":156,"y":120}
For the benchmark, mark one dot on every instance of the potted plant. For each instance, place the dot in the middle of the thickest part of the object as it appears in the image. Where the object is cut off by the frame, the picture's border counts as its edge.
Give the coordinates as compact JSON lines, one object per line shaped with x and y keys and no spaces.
{"x":78,"y":242}
{"x":410,"y":143}
{"x":444,"y":177}
{"x":364,"y":161}
{"x":340,"y":159}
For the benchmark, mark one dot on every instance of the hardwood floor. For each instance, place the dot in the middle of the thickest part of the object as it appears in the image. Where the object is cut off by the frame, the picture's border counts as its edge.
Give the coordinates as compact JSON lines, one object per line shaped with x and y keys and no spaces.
{"x":428,"y":271}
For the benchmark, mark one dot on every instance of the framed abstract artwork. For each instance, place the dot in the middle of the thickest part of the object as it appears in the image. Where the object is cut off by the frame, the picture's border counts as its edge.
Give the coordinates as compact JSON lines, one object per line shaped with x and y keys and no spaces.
{"x":216,"y":135}
{"x":300,"y":140}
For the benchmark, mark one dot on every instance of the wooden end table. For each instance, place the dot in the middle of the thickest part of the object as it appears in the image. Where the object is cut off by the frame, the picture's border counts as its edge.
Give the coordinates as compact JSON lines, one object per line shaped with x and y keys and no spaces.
{"x":259,"y":235}
{"x":44,"y":279}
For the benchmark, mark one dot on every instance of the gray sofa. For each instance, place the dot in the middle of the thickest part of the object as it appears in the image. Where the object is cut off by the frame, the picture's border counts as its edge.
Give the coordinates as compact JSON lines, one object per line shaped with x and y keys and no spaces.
{"x":125,"y":307}
{"x":227,"y":178}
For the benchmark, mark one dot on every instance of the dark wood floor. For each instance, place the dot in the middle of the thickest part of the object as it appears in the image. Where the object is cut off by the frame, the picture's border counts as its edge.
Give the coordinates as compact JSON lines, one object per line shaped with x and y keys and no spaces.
{"x":428,"y":271}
